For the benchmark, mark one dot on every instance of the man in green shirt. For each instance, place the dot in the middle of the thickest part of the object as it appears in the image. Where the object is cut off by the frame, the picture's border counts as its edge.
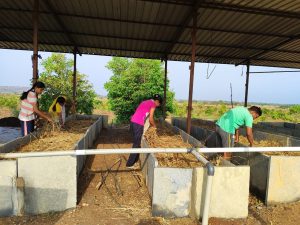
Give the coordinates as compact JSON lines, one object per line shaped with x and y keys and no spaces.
{"x":230,"y":122}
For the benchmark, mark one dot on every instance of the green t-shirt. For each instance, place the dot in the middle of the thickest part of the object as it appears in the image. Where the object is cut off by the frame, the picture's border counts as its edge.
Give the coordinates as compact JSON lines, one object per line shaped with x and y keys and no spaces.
{"x":235,"y":118}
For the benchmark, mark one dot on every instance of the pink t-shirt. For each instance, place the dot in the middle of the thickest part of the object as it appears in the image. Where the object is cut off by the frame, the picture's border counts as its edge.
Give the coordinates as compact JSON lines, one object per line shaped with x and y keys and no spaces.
{"x":142,"y":112}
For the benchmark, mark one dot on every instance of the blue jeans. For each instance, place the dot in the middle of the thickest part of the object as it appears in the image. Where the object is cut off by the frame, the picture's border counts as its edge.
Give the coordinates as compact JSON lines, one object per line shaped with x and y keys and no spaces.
{"x":27,"y":127}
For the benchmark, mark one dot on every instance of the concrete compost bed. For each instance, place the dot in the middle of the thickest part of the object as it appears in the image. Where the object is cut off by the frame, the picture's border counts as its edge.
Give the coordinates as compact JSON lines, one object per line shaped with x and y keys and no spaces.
{"x":285,"y":128}
{"x":274,"y":176}
{"x":50,"y":183}
{"x":179,"y":192}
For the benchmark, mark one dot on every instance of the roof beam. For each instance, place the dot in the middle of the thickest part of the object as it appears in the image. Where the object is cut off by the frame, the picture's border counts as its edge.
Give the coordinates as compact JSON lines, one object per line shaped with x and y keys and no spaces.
{"x":61,"y":24}
{"x":149,"y":23}
{"x":261,"y":53}
{"x":249,"y":10}
{"x":150,"y":40}
{"x":181,"y":28}
{"x":216,"y":57}
{"x":234,"y":8}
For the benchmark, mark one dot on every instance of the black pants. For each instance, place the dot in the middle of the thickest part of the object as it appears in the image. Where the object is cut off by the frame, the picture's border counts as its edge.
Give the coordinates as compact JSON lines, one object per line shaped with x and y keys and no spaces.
{"x":137,"y":130}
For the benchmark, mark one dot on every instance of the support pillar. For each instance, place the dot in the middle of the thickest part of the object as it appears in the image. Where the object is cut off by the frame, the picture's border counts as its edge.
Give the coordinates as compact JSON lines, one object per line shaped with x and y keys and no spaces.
{"x":74,"y":82}
{"x":192,"y":67}
{"x":247,"y":85}
{"x":165,"y":89}
{"x":35,"y":18}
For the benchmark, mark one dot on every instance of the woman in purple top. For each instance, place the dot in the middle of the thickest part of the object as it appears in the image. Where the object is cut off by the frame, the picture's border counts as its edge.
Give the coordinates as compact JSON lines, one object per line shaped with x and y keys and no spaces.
{"x":137,"y":123}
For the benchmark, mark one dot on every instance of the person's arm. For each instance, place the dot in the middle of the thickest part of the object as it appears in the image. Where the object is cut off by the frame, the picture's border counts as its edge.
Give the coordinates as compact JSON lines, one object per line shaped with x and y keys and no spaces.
{"x":40,"y":113}
{"x":151,"y":117}
{"x":250,"y":135}
{"x":237,"y":135}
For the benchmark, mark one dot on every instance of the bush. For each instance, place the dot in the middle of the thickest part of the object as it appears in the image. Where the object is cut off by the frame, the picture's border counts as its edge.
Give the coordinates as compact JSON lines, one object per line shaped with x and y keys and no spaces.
{"x":58,"y":78}
{"x":133,"y":81}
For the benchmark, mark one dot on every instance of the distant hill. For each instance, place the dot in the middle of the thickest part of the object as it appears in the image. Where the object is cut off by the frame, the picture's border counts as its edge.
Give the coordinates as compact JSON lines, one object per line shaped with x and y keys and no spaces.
{"x":12,"y":89}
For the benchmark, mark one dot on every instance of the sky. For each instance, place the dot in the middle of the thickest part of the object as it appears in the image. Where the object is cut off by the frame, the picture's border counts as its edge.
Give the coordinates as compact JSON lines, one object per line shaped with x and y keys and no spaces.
{"x":282,"y":88}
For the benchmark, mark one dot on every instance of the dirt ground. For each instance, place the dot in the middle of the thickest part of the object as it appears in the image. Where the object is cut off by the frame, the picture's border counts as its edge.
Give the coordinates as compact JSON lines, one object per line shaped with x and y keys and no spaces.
{"x":110,"y":194}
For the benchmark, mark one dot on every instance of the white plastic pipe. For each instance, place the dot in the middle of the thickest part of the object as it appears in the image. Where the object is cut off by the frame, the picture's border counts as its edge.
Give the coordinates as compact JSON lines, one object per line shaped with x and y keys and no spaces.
{"x":94,"y":152}
{"x":146,"y":150}
{"x":205,"y":215}
{"x":210,"y":174}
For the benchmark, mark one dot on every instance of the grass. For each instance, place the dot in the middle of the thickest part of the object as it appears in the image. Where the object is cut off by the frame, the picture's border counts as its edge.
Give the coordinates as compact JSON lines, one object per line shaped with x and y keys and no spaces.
{"x":213,"y":111}
{"x":10,"y":103}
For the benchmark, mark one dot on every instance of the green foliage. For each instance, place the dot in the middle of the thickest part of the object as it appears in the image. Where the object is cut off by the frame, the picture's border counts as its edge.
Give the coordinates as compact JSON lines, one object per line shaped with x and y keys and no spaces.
{"x":214,"y":111}
{"x":9,"y":100}
{"x":133,"y":81}
{"x":223,"y":109}
{"x":209,"y":110}
{"x":295,"y":109}
{"x":58,"y":77}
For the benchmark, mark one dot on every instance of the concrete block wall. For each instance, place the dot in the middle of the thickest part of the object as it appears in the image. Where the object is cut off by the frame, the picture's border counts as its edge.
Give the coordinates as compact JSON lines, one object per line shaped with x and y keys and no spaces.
{"x":179,"y":192}
{"x":230,"y":192}
{"x":273,"y":178}
{"x":8,"y":174}
{"x":50,"y":182}
{"x":291,"y":129}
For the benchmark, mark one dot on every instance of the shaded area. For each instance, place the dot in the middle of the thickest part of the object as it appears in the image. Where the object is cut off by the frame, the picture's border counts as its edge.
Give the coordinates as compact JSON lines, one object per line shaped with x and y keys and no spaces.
{"x":10,"y":122}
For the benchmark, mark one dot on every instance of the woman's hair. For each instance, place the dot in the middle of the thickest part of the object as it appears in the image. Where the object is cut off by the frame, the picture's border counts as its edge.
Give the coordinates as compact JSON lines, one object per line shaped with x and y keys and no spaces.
{"x":60,"y":100}
{"x":36,"y":84}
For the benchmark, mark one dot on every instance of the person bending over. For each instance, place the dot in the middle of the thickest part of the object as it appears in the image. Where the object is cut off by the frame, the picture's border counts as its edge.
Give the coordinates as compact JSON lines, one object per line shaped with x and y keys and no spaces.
{"x":229,"y":123}
{"x":29,"y":108}
{"x":137,"y":121}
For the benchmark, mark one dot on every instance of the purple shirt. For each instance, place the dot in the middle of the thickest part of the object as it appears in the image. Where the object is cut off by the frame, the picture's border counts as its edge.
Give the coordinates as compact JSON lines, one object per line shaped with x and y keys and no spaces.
{"x":142,"y":111}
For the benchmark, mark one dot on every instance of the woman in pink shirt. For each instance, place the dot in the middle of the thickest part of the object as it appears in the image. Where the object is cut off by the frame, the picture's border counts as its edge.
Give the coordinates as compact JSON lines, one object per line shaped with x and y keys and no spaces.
{"x":137,"y":123}
{"x":29,"y":107}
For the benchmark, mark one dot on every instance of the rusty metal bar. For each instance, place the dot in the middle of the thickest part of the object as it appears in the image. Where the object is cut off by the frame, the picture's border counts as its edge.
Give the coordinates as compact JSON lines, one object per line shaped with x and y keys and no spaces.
{"x":192,"y":67}
{"x":247,"y":85}
{"x":74,"y":81}
{"x":165,"y":89}
{"x":35,"y":18}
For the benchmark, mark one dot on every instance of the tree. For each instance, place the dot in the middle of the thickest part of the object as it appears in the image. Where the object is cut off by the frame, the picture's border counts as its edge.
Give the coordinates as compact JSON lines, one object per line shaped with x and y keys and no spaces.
{"x":133,"y":81}
{"x":58,"y":78}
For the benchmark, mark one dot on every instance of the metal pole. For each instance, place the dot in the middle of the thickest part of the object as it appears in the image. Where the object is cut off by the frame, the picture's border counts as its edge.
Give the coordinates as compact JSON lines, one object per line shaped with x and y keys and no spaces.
{"x":35,"y":18}
{"x":247,"y":85}
{"x":189,"y":114}
{"x":74,"y":81}
{"x":165,"y":89}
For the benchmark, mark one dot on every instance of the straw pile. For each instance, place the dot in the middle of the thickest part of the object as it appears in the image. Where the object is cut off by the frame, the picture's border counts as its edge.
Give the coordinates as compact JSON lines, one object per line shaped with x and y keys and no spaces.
{"x":51,"y":137}
{"x":268,"y":143}
{"x":164,"y":137}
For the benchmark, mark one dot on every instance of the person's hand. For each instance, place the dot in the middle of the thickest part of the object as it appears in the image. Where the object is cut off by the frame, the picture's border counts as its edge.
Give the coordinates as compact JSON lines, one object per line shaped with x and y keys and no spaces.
{"x":49,"y":119}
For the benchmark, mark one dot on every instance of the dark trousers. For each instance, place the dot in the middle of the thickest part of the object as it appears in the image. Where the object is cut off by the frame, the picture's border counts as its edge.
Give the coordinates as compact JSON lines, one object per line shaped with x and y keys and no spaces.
{"x":227,"y":138}
{"x":27,"y":127}
{"x":137,"y":131}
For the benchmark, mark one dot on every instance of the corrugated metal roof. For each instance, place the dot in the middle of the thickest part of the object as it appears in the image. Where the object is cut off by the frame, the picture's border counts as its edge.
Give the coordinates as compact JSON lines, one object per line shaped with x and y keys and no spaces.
{"x":264,"y":32}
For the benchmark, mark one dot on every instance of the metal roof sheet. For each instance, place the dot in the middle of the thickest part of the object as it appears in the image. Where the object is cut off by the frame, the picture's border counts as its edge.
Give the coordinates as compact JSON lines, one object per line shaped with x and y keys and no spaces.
{"x":263,"y":32}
